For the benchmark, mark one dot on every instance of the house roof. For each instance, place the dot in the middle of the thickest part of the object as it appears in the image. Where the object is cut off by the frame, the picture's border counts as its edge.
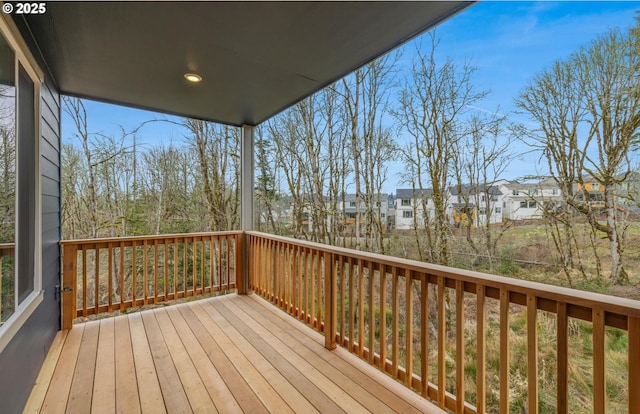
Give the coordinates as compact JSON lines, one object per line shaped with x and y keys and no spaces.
{"x":466,"y":189}
{"x":411,"y":193}
{"x":374,"y":197}
{"x":255,"y":58}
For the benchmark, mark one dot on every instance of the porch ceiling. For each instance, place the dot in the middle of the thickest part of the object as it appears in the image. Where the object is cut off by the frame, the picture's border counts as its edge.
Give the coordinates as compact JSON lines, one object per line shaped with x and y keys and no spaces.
{"x":256,"y":58}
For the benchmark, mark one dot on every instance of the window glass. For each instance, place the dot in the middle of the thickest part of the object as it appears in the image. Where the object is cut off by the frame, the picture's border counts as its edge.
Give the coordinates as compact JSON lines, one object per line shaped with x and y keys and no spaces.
{"x":7,"y":179}
{"x":407,"y":214}
{"x":27,"y":176}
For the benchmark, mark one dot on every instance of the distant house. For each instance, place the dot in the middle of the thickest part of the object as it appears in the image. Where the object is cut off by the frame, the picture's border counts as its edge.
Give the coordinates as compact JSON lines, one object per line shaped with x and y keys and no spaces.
{"x":410,"y":208}
{"x":475,"y":205}
{"x":590,"y":191}
{"x":628,"y":194}
{"x":378,"y":206}
{"x":524,"y":201}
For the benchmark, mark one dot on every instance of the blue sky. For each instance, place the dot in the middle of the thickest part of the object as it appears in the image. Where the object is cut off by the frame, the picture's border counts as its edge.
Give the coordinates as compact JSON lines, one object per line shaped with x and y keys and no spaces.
{"x":508,"y":42}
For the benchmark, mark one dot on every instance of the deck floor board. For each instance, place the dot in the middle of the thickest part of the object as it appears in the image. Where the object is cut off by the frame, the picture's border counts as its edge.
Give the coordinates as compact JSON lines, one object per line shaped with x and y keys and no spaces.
{"x":229,"y":354}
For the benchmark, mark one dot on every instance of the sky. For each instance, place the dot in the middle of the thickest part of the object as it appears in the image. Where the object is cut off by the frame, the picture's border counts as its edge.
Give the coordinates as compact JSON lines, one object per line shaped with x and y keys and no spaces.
{"x":508,"y":42}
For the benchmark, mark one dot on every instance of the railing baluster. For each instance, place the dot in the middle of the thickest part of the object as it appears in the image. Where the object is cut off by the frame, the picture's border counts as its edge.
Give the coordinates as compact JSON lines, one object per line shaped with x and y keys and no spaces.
{"x":270,"y":272}
{"x":360,"y":309}
{"x":134,"y":272}
{"x":185,"y":267}
{"x":145,"y":271}
{"x":562,"y":339}
{"x":194,"y":268}
{"x":408,"y":321}
{"x":212,"y":252}
{"x":633,"y":334}
{"x":460,"y":346}
{"x":319,"y":284}
{"x":228,"y":258}
{"x":295,"y":281}
{"x":481,"y":357}
{"x":598,"y":362}
{"x":175,"y":268}
{"x":110,"y":276}
{"x":351,"y":307}
{"x":84,"y":281}
{"x":96,"y":258}
{"x":287,"y":286}
{"x":301,"y":276}
{"x":504,"y":351}
{"x":532,"y":353}
{"x":442,"y":328}
{"x":156,"y":273}
{"x":220,"y":271}
{"x":330,"y":316}
{"x":395,"y":321}
{"x":202,"y":266}
{"x":424,"y":335}
{"x":122,"y":295}
{"x":165,"y":256}
{"x":281,"y":279}
{"x":312,"y":286}
{"x":383,"y":318}
{"x":372,"y":315}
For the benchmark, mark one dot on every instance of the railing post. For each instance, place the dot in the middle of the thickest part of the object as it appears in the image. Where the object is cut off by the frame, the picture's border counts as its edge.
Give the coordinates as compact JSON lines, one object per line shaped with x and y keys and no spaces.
{"x":69,"y":284}
{"x":242,"y":264}
{"x":330,"y":302}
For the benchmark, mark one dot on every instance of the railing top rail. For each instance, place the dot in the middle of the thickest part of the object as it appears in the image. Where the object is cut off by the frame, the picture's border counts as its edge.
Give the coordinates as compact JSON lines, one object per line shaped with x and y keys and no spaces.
{"x":147,"y":237}
{"x":7,"y":248}
{"x":591,"y":300}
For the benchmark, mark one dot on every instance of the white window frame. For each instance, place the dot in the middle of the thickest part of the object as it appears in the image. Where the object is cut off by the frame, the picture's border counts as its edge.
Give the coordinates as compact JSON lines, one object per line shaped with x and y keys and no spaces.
{"x":25,"y":309}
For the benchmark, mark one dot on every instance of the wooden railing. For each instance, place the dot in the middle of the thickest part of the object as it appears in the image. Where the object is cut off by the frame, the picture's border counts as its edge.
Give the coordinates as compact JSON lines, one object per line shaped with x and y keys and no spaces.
{"x":110,"y":274}
{"x":419,"y":311}
{"x":6,"y":250}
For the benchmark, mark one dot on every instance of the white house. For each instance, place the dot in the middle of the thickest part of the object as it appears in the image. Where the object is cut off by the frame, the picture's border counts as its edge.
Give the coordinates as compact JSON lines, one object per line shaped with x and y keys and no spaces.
{"x":409,"y":207}
{"x":525,"y":201}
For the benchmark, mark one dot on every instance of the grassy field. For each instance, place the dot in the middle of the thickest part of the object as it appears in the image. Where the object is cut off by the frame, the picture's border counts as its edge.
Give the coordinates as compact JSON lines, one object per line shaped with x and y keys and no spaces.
{"x":527,"y":252}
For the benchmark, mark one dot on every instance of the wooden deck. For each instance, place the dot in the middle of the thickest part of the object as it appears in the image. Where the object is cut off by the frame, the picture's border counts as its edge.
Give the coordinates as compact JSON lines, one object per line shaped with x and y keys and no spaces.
{"x":227,"y":354}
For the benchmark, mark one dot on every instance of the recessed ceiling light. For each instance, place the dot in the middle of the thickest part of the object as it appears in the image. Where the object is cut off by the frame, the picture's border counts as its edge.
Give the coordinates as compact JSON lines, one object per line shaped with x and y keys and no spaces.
{"x":193,"y":77}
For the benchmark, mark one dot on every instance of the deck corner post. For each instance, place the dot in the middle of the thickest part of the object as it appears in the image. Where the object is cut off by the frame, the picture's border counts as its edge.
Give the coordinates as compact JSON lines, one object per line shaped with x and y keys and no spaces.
{"x":242,"y":263}
{"x":330,"y":301}
{"x":68,"y":288}
{"x":247,"y":168}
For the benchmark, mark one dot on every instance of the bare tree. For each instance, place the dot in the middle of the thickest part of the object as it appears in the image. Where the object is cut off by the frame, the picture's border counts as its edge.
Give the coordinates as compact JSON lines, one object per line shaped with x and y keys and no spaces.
{"x":479,"y":160}
{"x":266,"y":194}
{"x":218,"y":153}
{"x":587,"y":109}
{"x":433,"y":102}
{"x":75,"y":109}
